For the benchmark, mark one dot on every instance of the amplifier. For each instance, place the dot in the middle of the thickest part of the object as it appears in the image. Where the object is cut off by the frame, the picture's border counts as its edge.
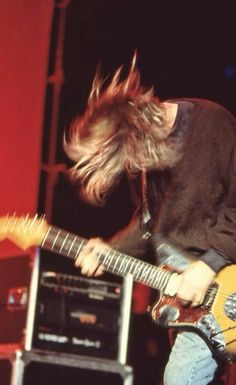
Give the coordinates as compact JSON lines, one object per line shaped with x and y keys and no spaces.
{"x":46,"y":304}
{"x":77,"y":315}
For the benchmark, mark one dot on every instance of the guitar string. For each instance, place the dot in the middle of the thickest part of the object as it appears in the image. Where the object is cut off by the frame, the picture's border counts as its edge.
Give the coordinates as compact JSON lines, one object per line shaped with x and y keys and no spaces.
{"x":23,"y":222}
{"x":62,"y":237}
{"x":211,"y":290}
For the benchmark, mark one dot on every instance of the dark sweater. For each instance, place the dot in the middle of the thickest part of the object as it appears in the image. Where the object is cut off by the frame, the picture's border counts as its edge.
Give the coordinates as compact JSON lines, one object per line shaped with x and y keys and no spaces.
{"x":195,"y":202}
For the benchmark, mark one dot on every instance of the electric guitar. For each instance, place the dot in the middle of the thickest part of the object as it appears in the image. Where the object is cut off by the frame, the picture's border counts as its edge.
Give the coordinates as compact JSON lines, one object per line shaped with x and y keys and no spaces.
{"x":214,"y":319}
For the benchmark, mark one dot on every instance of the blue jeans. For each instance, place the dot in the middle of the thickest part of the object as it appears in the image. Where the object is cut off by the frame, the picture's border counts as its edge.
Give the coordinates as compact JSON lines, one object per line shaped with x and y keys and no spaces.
{"x":190,"y":362}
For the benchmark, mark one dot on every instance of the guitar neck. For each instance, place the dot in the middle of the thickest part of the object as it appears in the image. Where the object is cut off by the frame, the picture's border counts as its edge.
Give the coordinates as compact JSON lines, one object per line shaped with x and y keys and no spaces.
{"x":115,"y":262}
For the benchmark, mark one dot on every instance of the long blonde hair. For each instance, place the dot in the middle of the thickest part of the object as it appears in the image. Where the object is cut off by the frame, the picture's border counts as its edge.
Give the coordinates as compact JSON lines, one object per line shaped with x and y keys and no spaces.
{"x":122,"y":129}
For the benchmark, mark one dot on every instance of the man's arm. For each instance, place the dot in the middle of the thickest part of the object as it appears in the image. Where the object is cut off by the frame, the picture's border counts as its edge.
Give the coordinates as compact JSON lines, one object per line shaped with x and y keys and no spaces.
{"x":222,"y":234}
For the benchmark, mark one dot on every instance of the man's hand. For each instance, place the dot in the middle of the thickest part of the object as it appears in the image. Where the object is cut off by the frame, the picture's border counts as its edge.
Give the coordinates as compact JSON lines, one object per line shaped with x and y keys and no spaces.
{"x":194,"y":283}
{"x":88,"y":257}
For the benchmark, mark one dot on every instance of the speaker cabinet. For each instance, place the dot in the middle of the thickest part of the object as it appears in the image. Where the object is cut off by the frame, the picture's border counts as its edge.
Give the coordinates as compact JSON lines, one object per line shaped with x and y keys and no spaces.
{"x":18,"y":367}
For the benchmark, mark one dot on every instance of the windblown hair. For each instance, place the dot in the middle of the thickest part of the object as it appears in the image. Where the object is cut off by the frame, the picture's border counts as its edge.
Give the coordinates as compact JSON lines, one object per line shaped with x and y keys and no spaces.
{"x":122,"y":130}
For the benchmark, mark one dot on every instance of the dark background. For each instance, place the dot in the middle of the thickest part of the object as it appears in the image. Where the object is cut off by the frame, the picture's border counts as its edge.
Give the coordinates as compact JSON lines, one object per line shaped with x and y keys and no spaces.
{"x":185,"y":48}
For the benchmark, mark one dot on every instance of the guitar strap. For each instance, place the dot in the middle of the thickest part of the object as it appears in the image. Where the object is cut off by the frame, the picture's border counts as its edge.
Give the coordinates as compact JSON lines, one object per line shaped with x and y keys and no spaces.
{"x":146,"y":216}
{"x":166,"y":249}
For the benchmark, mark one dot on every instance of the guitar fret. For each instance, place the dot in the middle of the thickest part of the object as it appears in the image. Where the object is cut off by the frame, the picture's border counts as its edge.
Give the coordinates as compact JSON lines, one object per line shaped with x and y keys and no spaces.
{"x":140,"y":272}
{"x":117,"y":260}
{"x":144,"y":273}
{"x":137,"y":269}
{"x":110,"y":260}
{"x":78,"y":250}
{"x":46,"y":235}
{"x":135,"y":273}
{"x":149,"y":270}
{"x":120,"y":268}
{"x":105,"y":260}
{"x":127,"y":263}
{"x":153,"y":276}
{"x":131,"y":265}
{"x":160,"y":278}
{"x":55,"y":239}
{"x":105,"y":257}
{"x":64,"y":241}
{"x":71,"y":246}
{"x":166,"y":280}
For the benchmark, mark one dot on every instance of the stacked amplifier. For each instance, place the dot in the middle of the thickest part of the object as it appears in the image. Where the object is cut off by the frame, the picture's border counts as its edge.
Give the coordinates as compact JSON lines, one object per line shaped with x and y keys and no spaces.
{"x":55,"y":322}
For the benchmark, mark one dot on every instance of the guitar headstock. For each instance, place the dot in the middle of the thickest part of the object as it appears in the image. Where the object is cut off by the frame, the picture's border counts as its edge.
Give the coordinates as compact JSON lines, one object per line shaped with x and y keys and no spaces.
{"x":23,"y":231}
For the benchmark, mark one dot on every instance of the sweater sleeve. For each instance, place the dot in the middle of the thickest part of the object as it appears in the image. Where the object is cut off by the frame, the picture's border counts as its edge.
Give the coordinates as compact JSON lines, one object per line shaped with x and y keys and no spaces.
{"x":222,"y":234}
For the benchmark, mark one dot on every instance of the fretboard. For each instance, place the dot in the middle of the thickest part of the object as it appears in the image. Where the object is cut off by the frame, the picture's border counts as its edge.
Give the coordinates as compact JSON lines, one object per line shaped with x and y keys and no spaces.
{"x":115,"y":262}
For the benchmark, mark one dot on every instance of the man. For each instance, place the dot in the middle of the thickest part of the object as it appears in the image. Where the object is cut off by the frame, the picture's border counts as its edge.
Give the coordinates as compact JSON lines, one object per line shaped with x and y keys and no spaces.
{"x":180,"y":159}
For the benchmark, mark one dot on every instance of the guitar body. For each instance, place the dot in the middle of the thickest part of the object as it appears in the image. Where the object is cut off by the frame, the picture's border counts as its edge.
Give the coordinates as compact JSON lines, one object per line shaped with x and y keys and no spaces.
{"x":224,"y":307}
{"x":214,"y":320}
